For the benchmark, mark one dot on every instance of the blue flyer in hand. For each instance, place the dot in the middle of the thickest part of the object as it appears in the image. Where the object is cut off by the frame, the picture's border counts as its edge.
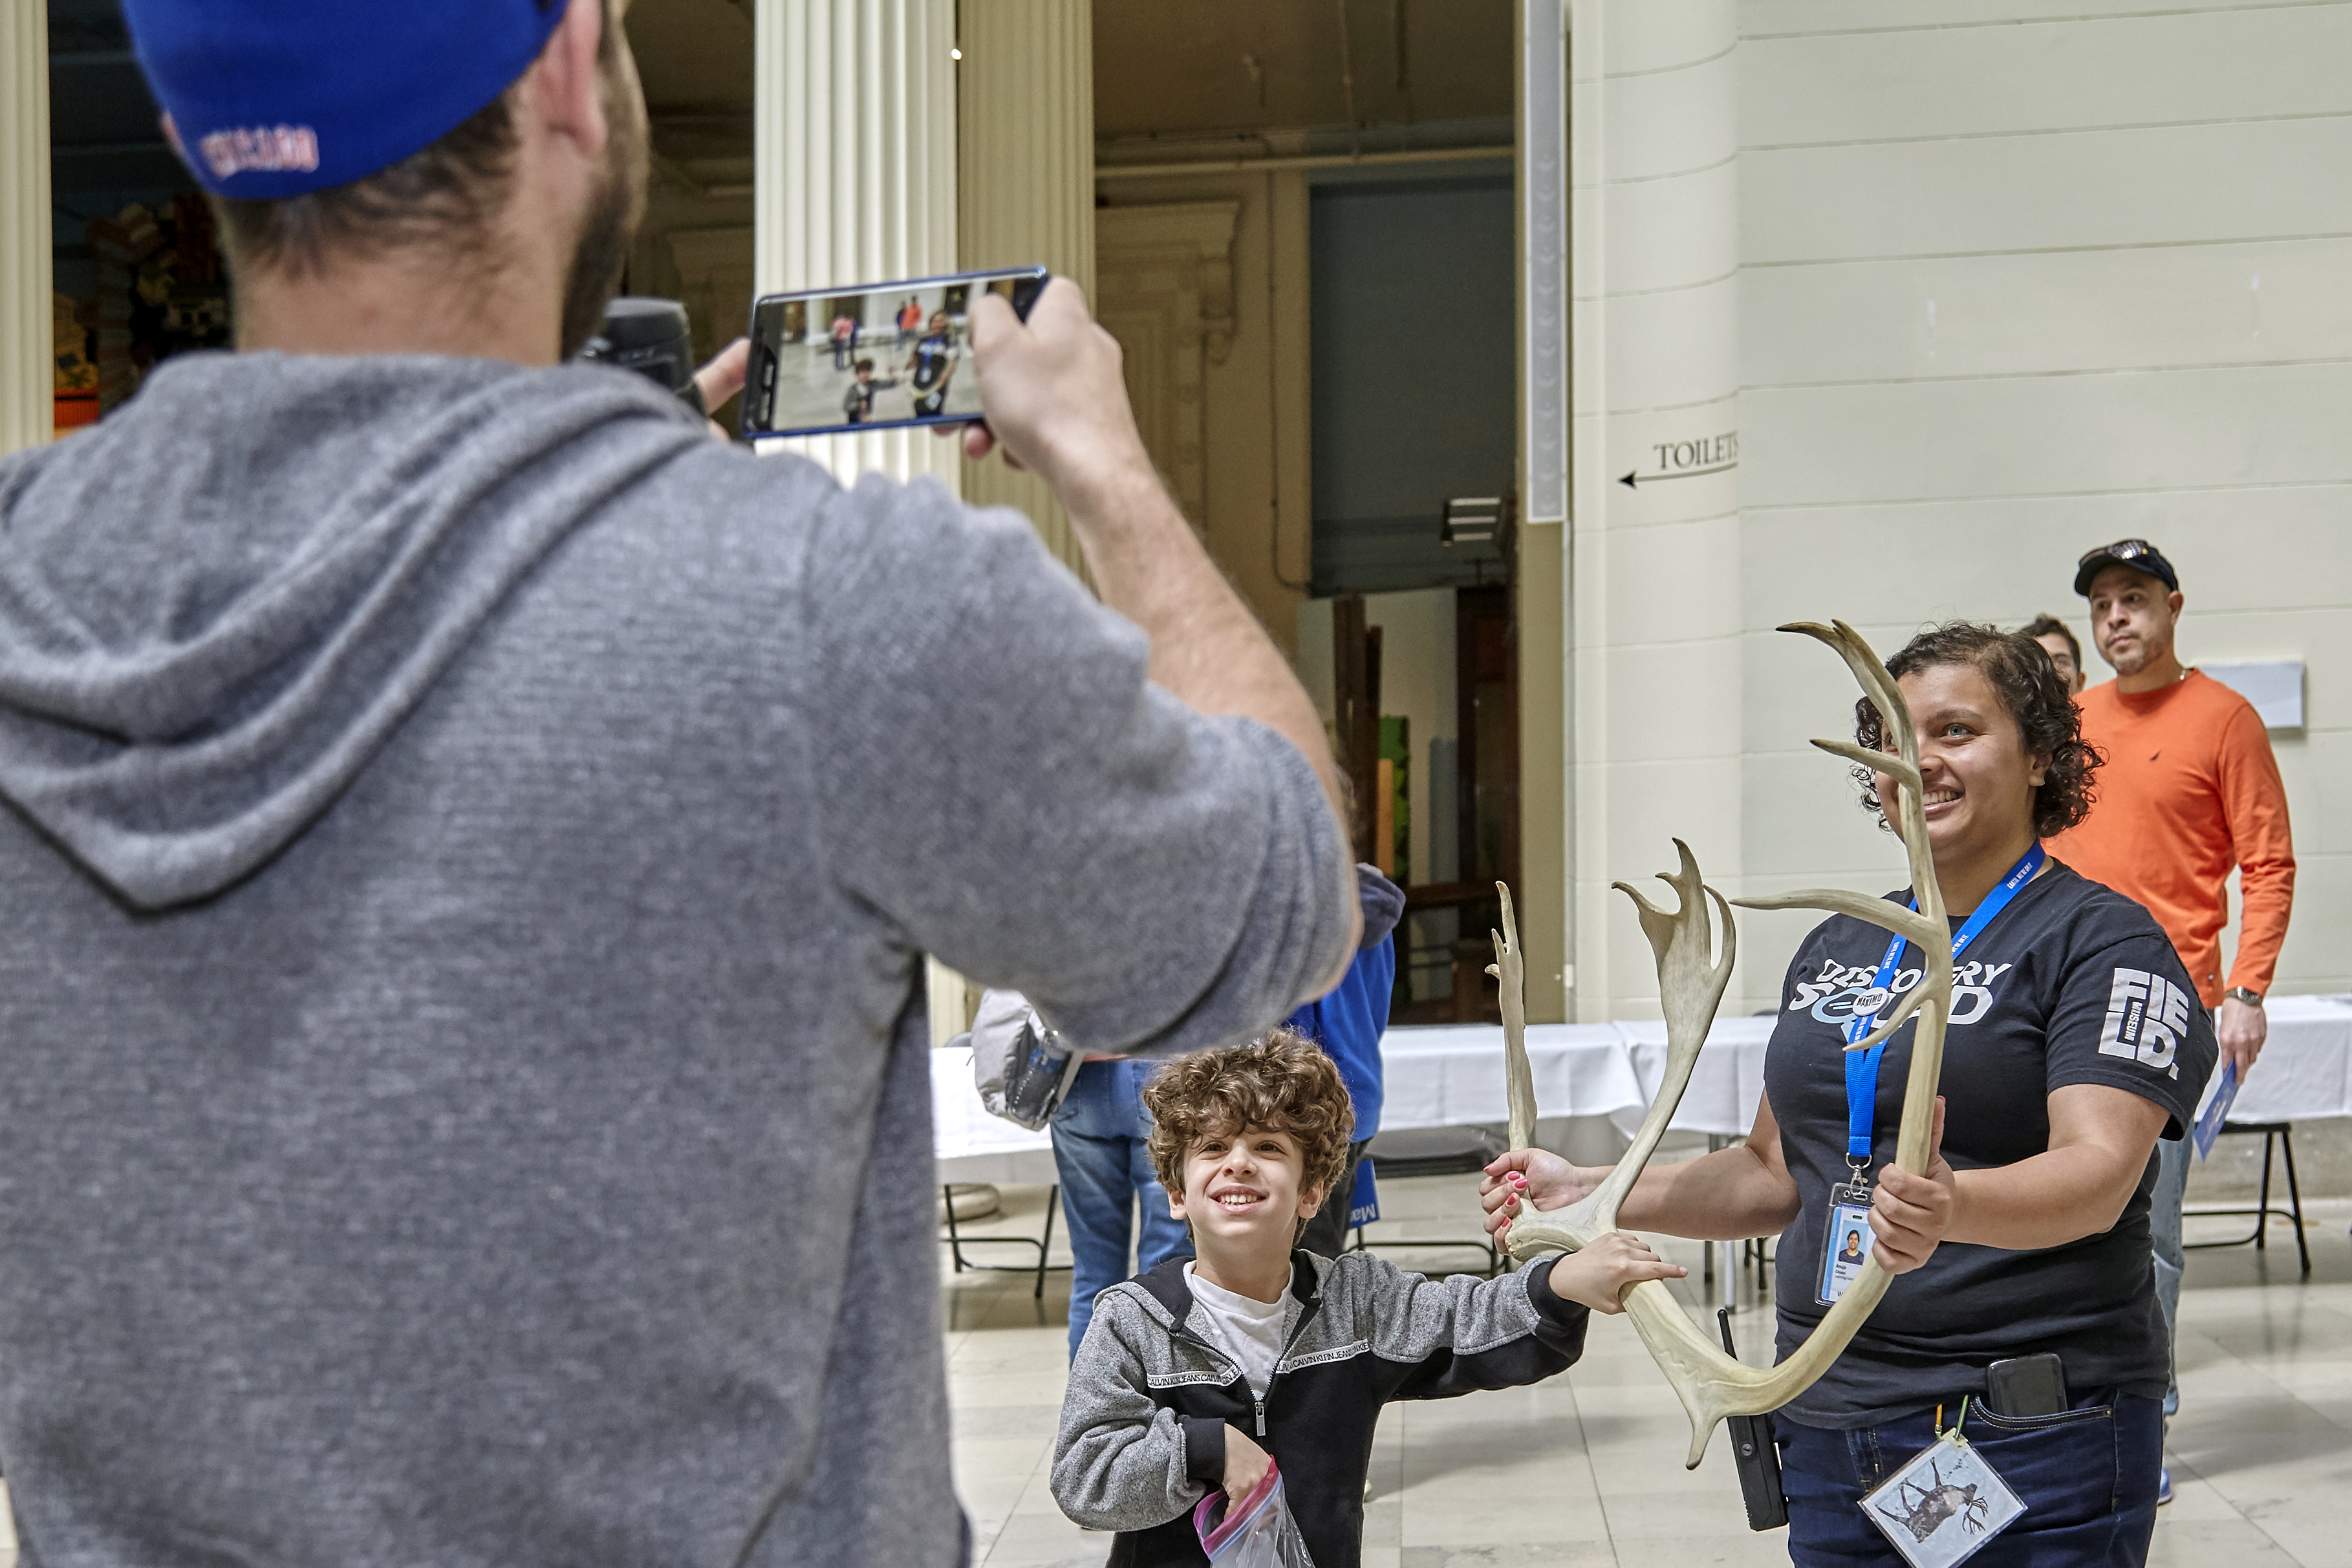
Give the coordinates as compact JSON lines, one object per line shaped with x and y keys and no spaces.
{"x":2209,"y":1126}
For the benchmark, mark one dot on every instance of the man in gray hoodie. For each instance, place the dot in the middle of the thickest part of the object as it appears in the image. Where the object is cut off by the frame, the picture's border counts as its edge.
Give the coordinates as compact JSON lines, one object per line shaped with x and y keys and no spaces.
{"x":470,"y":840}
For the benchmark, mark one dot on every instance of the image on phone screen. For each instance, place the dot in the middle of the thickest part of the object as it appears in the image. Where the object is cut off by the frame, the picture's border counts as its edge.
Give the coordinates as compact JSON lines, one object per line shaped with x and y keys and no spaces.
{"x":874,"y":356}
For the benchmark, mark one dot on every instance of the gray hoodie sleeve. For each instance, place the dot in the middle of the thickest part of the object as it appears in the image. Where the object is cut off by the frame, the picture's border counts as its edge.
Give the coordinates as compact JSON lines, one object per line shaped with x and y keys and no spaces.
{"x":1463,"y":1333}
{"x":1120,"y":1461}
{"x":1001,"y":780}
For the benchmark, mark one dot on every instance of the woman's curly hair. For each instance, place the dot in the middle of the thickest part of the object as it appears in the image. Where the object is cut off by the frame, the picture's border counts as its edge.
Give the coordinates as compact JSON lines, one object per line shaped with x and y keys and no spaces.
{"x":2020,"y":672}
{"x":1281,"y":1079}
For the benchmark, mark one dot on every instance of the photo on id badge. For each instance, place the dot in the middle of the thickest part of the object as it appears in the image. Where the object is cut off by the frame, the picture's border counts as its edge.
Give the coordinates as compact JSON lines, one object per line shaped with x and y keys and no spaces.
{"x":1845,"y":1246}
{"x":1943,"y":1505}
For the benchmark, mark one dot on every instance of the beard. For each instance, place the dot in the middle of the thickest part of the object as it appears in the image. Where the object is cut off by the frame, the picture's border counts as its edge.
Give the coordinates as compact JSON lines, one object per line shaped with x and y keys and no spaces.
{"x":609,"y":225}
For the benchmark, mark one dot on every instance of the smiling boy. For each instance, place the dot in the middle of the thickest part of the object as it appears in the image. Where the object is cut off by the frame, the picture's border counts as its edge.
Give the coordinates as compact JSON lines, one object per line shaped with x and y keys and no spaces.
{"x":1191,"y":1376}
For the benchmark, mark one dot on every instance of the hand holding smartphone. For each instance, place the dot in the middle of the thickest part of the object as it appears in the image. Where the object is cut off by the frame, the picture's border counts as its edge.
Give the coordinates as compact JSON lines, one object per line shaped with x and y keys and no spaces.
{"x":877,"y":357}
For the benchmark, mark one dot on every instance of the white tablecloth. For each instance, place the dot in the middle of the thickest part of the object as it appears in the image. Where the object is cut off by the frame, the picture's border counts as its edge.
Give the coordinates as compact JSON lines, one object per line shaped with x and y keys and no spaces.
{"x":1451,"y":1075}
{"x":973,"y":1145}
{"x":1725,"y":1088}
{"x":2305,"y":1072}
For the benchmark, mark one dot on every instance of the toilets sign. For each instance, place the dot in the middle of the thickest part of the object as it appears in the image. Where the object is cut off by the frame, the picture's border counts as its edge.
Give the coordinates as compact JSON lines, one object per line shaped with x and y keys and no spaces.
{"x":1685,"y":459}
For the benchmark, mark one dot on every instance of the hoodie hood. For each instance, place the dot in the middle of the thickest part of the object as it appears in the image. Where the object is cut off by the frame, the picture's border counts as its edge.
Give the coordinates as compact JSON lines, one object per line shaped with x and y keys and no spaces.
{"x":218,"y":604}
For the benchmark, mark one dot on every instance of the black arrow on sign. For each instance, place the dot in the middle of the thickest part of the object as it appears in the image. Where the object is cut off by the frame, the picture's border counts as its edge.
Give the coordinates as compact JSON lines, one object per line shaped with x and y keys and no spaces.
{"x":1636,"y":479}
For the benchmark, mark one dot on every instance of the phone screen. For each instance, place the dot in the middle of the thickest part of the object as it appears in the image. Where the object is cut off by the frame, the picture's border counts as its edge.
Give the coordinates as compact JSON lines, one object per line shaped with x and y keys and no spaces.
{"x":872,"y":358}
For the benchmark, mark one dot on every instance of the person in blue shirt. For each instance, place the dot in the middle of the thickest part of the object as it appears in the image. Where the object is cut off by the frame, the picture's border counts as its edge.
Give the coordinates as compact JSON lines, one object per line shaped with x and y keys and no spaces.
{"x":1347,"y":1023}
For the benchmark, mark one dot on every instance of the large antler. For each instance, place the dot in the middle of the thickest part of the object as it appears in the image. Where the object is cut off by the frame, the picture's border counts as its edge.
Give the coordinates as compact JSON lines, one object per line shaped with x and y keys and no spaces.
{"x":1691,"y":981}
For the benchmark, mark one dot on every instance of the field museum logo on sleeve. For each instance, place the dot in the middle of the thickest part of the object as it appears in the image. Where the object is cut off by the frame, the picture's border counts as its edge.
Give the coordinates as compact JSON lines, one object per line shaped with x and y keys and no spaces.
{"x":267,"y":148}
{"x":2147,"y":1017}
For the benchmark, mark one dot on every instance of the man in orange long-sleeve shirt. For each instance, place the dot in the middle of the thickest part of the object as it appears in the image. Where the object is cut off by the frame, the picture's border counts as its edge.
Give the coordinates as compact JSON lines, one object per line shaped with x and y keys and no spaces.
{"x":2188,"y":793}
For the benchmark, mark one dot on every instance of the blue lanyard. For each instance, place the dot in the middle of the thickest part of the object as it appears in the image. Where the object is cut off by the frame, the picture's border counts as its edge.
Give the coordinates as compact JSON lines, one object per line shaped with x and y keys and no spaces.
{"x":1862,"y":1066}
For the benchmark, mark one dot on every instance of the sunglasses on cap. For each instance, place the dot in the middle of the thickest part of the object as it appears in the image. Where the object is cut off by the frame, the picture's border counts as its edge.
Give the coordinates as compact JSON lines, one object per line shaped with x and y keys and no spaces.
{"x":2122,"y":550}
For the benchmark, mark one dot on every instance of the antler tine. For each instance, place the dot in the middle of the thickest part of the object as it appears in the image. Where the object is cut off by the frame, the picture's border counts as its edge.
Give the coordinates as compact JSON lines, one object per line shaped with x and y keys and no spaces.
{"x":1861,"y":906}
{"x":1895,"y":768}
{"x":1865,"y":663}
{"x":1722,"y":971}
{"x":1509,"y":970}
{"x":1913,"y":1000}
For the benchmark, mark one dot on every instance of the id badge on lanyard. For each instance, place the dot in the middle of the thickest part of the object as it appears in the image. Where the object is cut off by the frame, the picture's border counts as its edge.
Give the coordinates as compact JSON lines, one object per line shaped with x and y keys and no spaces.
{"x":1846,"y":1239}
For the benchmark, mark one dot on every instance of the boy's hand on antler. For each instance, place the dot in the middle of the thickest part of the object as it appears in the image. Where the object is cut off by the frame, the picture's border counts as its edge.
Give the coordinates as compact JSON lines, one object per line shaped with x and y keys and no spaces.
{"x":1598,"y":1276}
{"x":1532,"y":1177}
{"x":1245,"y":1465}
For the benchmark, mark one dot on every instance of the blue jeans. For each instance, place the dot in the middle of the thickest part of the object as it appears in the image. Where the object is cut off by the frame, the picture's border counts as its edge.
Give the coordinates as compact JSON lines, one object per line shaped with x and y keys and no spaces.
{"x":2087,"y":1477}
{"x":2164,"y":1232}
{"x":1100,"y":1136}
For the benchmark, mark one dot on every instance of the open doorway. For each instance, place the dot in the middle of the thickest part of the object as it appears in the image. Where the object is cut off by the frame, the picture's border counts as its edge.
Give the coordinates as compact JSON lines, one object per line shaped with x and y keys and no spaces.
{"x":1414,"y":406}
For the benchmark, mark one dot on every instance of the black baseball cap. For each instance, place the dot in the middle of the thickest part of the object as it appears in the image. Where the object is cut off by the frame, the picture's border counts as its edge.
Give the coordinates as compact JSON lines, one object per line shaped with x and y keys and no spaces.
{"x":2137,"y":554}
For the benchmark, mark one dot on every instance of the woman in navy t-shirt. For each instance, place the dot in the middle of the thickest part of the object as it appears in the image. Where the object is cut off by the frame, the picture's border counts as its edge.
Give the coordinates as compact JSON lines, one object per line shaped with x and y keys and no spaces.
{"x":2075,"y":1044}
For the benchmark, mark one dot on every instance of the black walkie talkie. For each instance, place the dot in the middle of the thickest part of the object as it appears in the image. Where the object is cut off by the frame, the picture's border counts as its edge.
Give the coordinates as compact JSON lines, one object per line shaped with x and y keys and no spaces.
{"x":1755,"y":1454}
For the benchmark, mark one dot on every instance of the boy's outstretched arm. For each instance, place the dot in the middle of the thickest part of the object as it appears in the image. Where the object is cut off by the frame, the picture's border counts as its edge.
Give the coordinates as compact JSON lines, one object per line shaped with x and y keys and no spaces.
{"x":1449,"y":1336}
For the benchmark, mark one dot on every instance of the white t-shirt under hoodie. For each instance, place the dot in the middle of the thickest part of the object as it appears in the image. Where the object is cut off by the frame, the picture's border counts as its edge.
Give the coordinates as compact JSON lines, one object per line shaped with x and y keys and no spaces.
{"x":1248,"y":1329}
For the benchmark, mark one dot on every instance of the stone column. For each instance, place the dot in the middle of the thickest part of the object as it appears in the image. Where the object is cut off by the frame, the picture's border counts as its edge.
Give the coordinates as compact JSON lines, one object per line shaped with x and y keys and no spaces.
{"x":1655,"y":558}
{"x":854,"y":182}
{"x":25,"y":405}
{"x":855,"y":179}
{"x":1025,"y":108}
{"x":1541,"y":578}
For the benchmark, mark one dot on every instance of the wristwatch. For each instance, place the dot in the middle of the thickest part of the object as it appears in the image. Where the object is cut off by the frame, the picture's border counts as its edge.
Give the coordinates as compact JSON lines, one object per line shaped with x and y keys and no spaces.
{"x":2240,"y":994}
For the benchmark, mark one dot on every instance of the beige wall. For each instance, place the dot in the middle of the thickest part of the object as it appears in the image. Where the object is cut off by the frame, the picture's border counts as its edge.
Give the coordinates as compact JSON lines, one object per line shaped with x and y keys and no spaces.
{"x":2011,"y":292}
{"x":1256,"y":509}
{"x":2005,"y":292}
{"x":1655,"y":609}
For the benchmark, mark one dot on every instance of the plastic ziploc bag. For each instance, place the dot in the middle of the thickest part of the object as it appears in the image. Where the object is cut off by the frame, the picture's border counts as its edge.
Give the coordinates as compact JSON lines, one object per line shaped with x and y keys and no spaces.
{"x":1255,"y":1532}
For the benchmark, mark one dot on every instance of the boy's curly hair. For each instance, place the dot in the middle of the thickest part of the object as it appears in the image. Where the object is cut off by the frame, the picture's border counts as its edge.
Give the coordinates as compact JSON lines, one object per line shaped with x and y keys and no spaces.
{"x":2020,"y":672}
{"x":1281,"y":1079}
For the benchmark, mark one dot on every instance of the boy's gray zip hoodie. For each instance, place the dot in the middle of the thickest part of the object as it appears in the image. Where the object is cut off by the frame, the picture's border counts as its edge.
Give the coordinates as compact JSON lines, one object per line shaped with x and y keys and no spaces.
{"x":469,"y":841}
{"x":1151,"y":1398}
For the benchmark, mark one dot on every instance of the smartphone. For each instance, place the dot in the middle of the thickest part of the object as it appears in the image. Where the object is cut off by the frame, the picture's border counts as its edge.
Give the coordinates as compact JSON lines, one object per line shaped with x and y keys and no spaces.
{"x":2026,"y":1386}
{"x":877,"y":357}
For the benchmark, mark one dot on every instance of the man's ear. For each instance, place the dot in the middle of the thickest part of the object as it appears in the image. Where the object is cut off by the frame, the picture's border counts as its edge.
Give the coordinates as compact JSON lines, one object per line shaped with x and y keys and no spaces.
{"x":1309,"y":1201}
{"x":563,"y":89}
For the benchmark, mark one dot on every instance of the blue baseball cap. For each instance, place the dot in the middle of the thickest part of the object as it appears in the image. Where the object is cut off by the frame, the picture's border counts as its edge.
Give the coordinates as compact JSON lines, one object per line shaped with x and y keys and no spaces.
{"x":271,"y":99}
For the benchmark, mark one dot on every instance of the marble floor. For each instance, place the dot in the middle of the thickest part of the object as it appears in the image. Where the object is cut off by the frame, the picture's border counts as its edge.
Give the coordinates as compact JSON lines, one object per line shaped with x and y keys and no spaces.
{"x":1587,"y":1469}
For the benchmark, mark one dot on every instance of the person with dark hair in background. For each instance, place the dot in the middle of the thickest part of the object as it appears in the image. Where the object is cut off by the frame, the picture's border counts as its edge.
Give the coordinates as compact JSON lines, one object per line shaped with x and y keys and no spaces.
{"x":2191,"y":792}
{"x":932,"y":365}
{"x":472,"y":842}
{"x":2074,"y":1048}
{"x":2059,"y":642}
